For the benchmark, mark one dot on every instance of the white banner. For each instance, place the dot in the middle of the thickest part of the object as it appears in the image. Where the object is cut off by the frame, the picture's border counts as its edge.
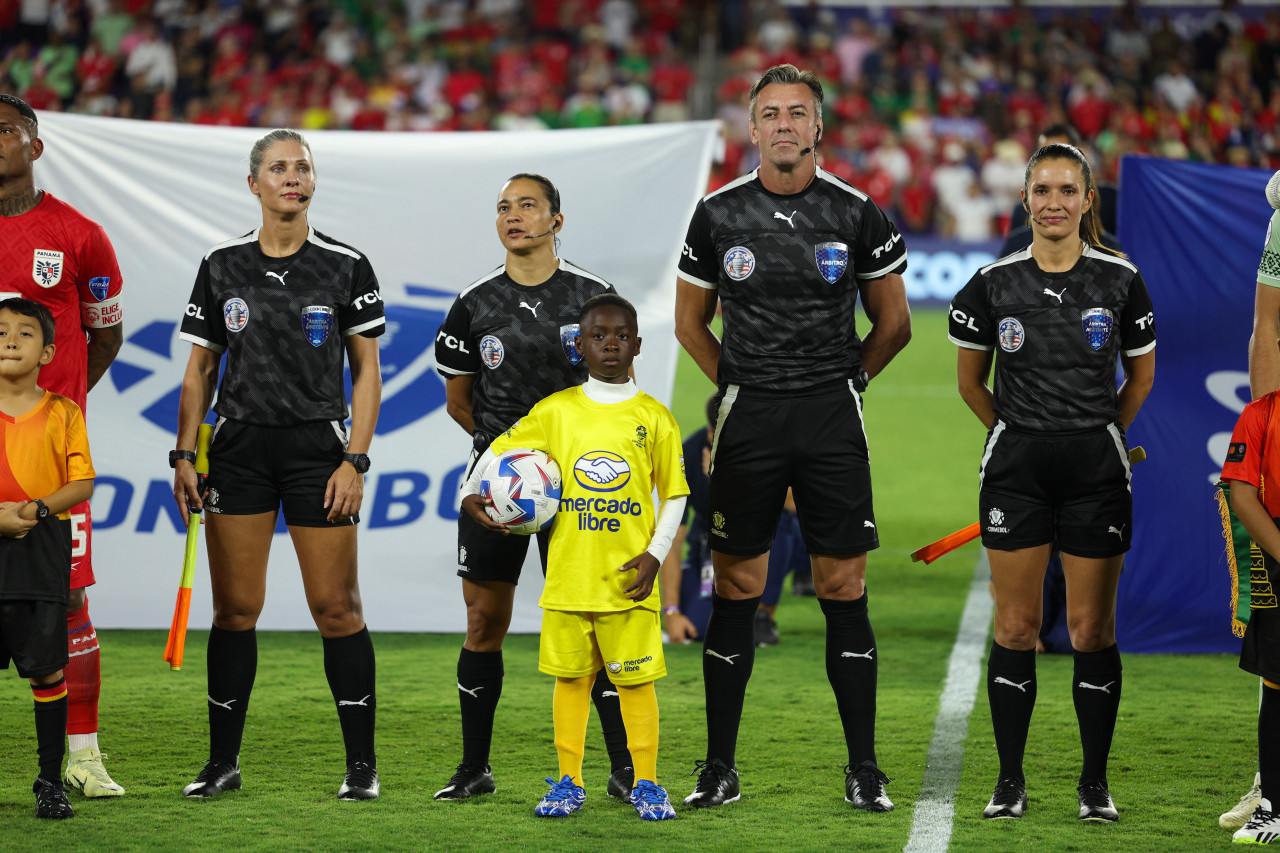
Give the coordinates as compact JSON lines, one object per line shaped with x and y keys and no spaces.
{"x":422,"y":207}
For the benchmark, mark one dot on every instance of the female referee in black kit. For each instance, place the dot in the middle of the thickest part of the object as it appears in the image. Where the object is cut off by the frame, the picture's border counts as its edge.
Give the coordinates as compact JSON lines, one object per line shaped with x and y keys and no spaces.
{"x":506,"y":344}
{"x":283,"y":302}
{"x":1055,"y":466}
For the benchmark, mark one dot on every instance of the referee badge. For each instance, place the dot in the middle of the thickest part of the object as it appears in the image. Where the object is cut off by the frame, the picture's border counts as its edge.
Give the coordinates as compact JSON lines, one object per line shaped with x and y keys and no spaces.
{"x":568,"y":332}
{"x":317,"y":323}
{"x":1098,"y":323}
{"x":46,"y":267}
{"x":492,"y":351}
{"x":739,"y":263}
{"x":1011,"y":334}
{"x":235,"y":313}
{"x":831,"y":258}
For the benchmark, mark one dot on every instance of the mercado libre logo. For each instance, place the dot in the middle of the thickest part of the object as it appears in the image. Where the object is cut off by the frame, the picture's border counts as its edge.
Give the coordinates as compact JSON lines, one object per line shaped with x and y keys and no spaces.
{"x":411,"y":387}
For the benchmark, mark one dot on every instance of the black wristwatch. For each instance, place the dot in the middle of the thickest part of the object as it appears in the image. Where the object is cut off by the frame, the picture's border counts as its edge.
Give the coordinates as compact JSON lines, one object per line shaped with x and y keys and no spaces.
{"x":42,"y":511}
{"x":175,"y":455}
{"x":359,"y":461}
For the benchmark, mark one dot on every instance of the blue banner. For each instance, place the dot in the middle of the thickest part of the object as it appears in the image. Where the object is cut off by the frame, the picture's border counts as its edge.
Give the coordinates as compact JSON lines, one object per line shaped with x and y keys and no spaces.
{"x":1196,"y":232}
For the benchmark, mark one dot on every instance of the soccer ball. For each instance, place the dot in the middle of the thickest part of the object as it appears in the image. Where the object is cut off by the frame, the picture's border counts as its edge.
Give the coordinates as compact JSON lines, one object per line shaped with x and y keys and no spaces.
{"x":524,"y":486}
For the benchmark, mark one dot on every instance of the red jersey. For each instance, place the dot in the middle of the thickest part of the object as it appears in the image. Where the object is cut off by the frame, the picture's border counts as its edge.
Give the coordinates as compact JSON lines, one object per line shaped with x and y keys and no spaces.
{"x":59,"y":257}
{"x":1249,"y":458}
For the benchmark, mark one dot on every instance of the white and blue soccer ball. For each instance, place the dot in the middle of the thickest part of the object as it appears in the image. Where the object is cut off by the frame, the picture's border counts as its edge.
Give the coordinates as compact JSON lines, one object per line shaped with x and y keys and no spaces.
{"x":525,"y":488}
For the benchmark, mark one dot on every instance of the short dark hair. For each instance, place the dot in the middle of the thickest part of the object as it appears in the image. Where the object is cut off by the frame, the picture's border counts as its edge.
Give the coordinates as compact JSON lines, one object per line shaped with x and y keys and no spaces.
{"x":600,"y":300}
{"x":786,"y":74}
{"x":24,"y":110}
{"x":548,"y":189}
{"x":713,"y":410}
{"x":30,"y":308}
{"x":1061,"y":128}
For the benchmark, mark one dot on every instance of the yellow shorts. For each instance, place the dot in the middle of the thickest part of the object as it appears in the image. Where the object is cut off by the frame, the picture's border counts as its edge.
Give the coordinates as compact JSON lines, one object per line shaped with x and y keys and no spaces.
{"x":628,"y":643}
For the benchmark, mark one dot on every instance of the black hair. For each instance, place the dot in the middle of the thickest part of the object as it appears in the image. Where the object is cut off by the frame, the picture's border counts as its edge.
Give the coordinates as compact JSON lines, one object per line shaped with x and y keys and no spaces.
{"x":787,"y":74}
{"x":713,"y":410}
{"x":602,"y":299}
{"x":1091,"y":220}
{"x":548,"y":189}
{"x":1062,"y":128}
{"x":30,"y":308}
{"x":24,"y":109}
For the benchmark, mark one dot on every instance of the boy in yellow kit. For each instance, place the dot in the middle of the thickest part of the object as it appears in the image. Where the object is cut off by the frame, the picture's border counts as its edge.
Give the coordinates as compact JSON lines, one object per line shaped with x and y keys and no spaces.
{"x":614,"y":445}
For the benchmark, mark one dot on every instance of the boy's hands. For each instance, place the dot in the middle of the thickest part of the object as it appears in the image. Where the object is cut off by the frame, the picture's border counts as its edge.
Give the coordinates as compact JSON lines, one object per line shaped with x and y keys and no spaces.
{"x":473,"y":505}
{"x":646,"y":568}
{"x":14,"y":523}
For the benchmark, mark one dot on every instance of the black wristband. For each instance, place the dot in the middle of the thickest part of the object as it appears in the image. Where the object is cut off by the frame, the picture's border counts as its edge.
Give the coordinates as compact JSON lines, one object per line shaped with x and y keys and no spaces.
{"x":175,"y":455}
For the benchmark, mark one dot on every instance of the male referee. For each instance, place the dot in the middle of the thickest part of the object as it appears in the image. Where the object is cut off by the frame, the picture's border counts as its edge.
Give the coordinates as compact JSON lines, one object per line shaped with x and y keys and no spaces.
{"x":787,"y":249}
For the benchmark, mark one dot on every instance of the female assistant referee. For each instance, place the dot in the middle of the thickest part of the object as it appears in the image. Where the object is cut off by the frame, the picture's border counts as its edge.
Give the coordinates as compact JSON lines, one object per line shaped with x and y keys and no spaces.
{"x":506,"y":344}
{"x":283,"y":303}
{"x":1055,"y":467}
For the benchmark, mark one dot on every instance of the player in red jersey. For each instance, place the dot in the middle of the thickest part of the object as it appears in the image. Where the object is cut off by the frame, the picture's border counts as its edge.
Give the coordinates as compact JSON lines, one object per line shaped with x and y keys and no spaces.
{"x":52,"y":253}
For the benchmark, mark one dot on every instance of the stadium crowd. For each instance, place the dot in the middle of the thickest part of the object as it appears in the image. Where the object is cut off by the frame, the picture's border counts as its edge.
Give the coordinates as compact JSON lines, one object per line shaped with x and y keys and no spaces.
{"x":931,"y":111}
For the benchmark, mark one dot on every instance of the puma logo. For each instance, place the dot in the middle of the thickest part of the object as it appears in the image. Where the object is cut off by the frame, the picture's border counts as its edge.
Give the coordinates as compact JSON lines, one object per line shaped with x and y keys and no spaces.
{"x":1057,"y":296}
{"x":1000,"y":679}
{"x":278,"y":275}
{"x":226,"y":705}
{"x":1104,"y":688}
{"x":533,"y":309}
{"x":786,"y":219}
{"x":1117,"y":531}
{"x":728,"y":659}
{"x":608,"y":693}
{"x":362,"y":703}
{"x":866,"y":654}
{"x":471,"y":693}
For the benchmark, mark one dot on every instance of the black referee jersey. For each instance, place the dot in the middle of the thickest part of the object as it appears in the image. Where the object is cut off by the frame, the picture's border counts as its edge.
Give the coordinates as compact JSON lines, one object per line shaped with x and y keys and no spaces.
{"x":281,"y":322}
{"x":1058,"y":334}
{"x":517,"y":341}
{"x":787,"y":269}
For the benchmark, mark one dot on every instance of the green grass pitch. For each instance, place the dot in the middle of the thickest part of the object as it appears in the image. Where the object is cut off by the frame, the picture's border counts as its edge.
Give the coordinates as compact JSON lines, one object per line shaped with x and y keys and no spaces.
{"x":1184,"y":747}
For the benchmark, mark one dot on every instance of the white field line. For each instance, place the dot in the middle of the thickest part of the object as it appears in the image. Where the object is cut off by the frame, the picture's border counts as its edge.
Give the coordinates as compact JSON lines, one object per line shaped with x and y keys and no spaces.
{"x":935,"y":808}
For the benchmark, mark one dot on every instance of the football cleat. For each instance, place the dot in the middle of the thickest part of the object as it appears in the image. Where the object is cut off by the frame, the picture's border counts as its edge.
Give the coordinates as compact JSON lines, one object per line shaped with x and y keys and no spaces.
{"x":717,"y":785}
{"x":562,"y":800}
{"x":1008,"y":801}
{"x":1263,"y":827}
{"x":864,"y":788}
{"x":468,"y":781}
{"x":51,"y":800}
{"x":1095,"y":802}
{"x":651,"y":801}
{"x":1239,"y":815}
{"x":766,"y":629}
{"x":360,"y":783}
{"x":216,"y":777}
{"x":621,"y":782}
{"x":86,"y":774}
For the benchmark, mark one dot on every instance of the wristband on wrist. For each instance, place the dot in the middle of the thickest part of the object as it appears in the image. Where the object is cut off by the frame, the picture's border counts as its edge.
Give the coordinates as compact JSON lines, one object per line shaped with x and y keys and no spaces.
{"x":669,"y":611}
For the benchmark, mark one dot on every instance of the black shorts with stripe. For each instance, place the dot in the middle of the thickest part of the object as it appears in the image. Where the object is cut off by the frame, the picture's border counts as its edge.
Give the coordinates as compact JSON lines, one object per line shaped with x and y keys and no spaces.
{"x":33,"y":634}
{"x":811,"y":441}
{"x":484,"y":555}
{"x":256,"y":469}
{"x":1260,"y":651}
{"x":1072,"y":489}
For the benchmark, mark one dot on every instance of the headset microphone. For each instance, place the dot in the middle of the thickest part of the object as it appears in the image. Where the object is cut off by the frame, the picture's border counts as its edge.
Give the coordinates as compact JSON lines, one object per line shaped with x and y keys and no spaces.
{"x":1027,"y":208}
{"x":555,"y":226}
{"x":304,"y":198}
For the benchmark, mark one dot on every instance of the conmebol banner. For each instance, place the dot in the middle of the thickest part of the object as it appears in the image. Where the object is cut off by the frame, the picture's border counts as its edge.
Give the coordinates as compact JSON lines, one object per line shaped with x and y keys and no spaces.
{"x":422,"y":207}
{"x":1196,"y":231}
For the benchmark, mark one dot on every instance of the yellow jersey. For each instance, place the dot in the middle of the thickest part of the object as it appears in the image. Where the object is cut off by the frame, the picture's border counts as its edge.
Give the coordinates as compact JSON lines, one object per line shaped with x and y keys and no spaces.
{"x":611,"y":457}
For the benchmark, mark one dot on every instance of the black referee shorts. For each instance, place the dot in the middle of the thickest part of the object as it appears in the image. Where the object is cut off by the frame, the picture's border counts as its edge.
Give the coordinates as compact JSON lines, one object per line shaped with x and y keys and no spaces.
{"x":255,"y":469}
{"x":487,"y":556}
{"x":33,"y":634}
{"x":1038,"y":487}
{"x":1260,"y":651}
{"x":812,"y":441}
